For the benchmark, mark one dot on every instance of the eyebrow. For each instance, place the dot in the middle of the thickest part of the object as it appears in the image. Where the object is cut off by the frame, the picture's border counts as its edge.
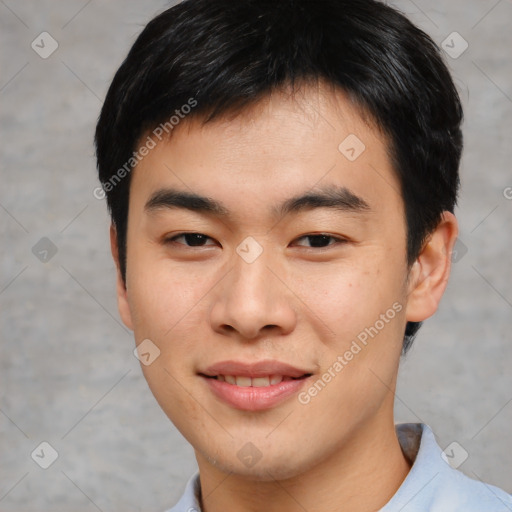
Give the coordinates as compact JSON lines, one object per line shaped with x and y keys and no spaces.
{"x":338,"y":198}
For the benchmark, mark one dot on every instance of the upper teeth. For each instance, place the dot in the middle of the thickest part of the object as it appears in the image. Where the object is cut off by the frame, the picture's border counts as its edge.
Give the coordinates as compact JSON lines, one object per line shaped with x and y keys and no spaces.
{"x":257,"y":382}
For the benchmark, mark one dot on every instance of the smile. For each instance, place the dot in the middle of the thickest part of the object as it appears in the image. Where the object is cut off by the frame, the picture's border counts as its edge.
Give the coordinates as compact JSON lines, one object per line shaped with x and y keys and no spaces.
{"x":257,"y":382}
{"x":254,"y":393}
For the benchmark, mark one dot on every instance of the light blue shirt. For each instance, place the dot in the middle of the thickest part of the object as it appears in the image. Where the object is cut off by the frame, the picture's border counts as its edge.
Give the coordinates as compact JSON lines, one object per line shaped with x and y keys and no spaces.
{"x":432,"y":485}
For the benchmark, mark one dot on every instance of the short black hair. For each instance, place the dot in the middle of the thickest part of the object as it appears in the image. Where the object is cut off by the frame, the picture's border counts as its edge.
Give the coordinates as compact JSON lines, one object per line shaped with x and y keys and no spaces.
{"x":224,"y":55}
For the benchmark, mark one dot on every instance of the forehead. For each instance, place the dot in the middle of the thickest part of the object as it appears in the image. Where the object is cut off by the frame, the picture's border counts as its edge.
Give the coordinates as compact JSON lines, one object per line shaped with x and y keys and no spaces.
{"x":281,"y":147}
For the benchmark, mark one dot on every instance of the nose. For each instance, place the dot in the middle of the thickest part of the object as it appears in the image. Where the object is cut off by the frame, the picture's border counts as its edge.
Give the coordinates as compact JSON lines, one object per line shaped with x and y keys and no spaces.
{"x":251,"y":301}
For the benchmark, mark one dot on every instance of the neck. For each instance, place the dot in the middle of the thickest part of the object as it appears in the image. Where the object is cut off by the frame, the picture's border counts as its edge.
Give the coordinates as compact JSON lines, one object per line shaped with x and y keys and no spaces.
{"x":362,"y":476}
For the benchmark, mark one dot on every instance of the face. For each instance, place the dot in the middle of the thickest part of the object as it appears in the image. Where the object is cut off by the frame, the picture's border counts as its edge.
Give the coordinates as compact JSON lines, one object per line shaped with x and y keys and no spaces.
{"x":272,"y":237}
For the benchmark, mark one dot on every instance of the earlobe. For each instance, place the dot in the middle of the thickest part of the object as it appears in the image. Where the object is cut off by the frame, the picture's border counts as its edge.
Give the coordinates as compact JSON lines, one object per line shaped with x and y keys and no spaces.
{"x":122,"y":292}
{"x":429,"y":274}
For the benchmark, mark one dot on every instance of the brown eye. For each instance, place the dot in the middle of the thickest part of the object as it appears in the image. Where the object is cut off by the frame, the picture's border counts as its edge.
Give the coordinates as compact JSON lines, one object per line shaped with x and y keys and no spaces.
{"x":191,"y":239}
{"x":319,"y":241}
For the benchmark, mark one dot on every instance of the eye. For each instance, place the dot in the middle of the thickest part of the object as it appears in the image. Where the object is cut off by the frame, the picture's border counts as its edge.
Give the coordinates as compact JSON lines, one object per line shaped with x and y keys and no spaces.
{"x":319,"y":241}
{"x":190,"y":239}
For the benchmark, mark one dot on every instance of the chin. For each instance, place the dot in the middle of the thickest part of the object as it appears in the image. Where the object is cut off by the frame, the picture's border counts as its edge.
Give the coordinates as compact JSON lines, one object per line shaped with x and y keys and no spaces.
{"x":277,"y":467}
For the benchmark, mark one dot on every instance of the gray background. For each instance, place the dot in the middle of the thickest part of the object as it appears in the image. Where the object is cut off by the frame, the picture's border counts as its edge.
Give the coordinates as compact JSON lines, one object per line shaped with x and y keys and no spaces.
{"x":67,"y":373}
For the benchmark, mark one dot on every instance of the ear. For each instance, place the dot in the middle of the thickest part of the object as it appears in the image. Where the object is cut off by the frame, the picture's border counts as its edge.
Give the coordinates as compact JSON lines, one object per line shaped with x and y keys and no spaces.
{"x":122,"y":292}
{"x":429,"y":274}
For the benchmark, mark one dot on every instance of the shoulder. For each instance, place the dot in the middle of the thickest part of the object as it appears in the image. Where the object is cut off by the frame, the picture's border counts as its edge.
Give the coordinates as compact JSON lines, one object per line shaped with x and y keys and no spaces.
{"x":458,"y":492}
{"x":189,"y":501}
{"x":433,"y":485}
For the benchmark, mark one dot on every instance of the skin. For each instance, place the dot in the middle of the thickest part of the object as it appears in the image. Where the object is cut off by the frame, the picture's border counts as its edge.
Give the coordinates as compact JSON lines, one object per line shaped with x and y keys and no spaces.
{"x":295,"y":303}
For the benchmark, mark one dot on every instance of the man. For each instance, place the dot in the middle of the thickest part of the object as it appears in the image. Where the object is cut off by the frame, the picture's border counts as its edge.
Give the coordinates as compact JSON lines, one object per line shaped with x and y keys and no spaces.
{"x":282,"y":177}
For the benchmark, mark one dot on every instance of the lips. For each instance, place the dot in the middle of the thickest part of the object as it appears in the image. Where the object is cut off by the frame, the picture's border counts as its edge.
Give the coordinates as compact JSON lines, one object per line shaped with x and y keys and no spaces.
{"x":257,"y":382}
{"x":259,"y":369}
{"x":254,"y":386}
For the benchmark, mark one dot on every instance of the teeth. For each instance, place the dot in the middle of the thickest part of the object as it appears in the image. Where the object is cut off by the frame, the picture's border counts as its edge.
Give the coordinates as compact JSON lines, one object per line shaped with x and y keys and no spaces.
{"x":244,"y":382}
{"x":257,"y":382}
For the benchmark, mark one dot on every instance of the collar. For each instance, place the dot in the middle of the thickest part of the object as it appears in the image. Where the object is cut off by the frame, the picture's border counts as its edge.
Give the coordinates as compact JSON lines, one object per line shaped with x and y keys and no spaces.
{"x":431,"y":484}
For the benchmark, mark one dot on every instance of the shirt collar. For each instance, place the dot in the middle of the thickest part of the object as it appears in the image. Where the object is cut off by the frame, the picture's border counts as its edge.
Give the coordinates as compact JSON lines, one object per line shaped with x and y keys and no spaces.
{"x":430,"y":482}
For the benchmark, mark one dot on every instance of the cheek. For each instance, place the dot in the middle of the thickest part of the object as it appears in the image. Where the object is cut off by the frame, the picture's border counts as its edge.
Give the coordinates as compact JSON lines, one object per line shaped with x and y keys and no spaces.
{"x":346,"y":296}
{"x":359,"y":311}
{"x":163,"y":299}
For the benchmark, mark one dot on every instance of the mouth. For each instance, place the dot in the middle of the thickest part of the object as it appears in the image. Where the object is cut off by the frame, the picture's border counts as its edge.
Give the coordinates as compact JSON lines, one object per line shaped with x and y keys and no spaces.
{"x":254,"y":393}
{"x":255,"y":386}
{"x":244,"y":381}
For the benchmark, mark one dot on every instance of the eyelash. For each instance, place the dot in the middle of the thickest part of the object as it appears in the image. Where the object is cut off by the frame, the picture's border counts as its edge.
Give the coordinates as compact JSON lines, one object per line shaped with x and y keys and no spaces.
{"x":337,"y":240}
